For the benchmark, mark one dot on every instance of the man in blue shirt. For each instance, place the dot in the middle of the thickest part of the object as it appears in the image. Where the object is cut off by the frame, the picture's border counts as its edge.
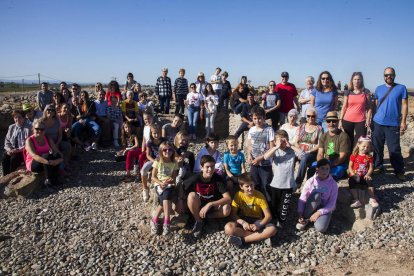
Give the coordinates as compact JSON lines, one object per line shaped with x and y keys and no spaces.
{"x":390,"y":121}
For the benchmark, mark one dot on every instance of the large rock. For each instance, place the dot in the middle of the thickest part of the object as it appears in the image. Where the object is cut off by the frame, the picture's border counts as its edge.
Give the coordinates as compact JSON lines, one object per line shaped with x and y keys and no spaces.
{"x":19,"y":183}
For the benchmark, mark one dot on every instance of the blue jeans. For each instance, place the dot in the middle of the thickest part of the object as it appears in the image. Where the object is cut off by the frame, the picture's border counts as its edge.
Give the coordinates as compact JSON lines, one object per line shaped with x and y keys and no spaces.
{"x":193,"y":113}
{"x":164,"y":104}
{"x":91,"y":125}
{"x":391,"y":134}
{"x":262,"y":176}
{"x":313,"y":203}
{"x":304,"y":163}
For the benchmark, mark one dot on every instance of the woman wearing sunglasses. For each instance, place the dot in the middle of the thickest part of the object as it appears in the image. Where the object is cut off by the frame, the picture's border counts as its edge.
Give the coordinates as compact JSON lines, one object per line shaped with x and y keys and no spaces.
{"x":41,"y":154}
{"x":307,"y":139}
{"x":324,"y":98}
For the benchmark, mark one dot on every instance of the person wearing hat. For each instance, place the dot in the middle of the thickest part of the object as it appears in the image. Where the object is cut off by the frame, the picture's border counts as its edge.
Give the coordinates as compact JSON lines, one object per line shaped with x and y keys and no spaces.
{"x":334,"y":145}
{"x":201,"y":83}
{"x":163,"y":90}
{"x":30,"y":113}
{"x":14,"y":142}
{"x":288,"y":95}
{"x":246,"y":115}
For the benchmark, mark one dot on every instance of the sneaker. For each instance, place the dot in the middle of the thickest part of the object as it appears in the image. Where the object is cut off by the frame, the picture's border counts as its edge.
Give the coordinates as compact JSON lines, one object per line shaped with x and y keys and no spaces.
{"x":94,"y":146}
{"x":87,"y":148}
{"x":373,"y":202}
{"x":400,"y":176}
{"x":302,"y":226}
{"x":153,"y":227}
{"x":268,"y":242}
{"x":47,"y":182}
{"x":145,"y":195}
{"x":356,"y":204}
{"x":165,"y":229}
{"x":234,"y":240}
{"x":197,"y":229}
{"x":378,"y":170}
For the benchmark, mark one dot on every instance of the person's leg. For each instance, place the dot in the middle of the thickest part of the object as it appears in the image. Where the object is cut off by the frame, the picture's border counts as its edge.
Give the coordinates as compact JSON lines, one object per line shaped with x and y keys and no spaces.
{"x":66,"y":149}
{"x":339,"y":171}
{"x":5,"y":163}
{"x":221,"y":212}
{"x":349,"y":128}
{"x":194,"y":203}
{"x":195,"y":120}
{"x":378,"y":141}
{"x":144,"y":173}
{"x":242,"y":128}
{"x":167,"y":105}
{"x":131,"y":156}
{"x":232,"y":229}
{"x":312,"y":204}
{"x":95,"y":128}
{"x":15,"y":161}
{"x":115,"y":132}
{"x":360,"y":130}
{"x":286,"y":195}
{"x":166,"y":206}
{"x":322,"y":223}
{"x":142,"y":159}
{"x":282,"y":118}
{"x":208,"y":116}
{"x":275,"y":199}
{"x":274,"y":116}
{"x":392,"y":136}
{"x":212,"y":119}
{"x":312,"y":170}
{"x":156,"y":214}
{"x":177,"y":104}
{"x":304,"y":163}
{"x":190,"y":121}
{"x":161,"y":100}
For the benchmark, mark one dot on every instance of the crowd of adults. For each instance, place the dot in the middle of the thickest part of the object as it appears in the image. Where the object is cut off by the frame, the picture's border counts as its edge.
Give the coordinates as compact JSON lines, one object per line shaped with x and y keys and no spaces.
{"x":49,"y":136}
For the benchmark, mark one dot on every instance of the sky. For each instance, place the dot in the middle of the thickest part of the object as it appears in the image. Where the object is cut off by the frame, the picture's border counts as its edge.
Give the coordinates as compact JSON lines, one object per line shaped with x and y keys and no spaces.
{"x":89,"y":41}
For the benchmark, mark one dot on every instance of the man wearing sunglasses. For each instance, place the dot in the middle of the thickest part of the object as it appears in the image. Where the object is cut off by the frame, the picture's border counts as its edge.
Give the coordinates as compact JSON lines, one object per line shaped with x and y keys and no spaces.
{"x":390,"y":121}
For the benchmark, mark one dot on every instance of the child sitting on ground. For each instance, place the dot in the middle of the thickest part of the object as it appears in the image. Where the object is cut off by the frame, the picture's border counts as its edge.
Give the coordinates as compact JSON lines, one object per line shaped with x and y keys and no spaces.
{"x":130,"y":151}
{"x":210,"y":148}
{"x":250,"y":214}
{"x":318,"y":198}
{"x":361,"y":166}
{"x":234,"y":162}
{"x":171,"y":129}
{"x":164,"y":172}
{"x":207,"y":195}
{"x":283,"y":182}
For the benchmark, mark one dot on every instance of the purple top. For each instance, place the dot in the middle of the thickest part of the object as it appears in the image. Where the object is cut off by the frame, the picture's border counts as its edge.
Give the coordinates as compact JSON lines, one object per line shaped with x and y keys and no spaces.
{"x":329,"y":193}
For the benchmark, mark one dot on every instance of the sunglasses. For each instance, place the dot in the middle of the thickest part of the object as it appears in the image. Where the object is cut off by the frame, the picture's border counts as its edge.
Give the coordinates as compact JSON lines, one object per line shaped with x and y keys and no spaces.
{"x":388,"y":75}
{"x":331,"y":121}
{"x":192,"y":87}
{"x":311,"y":116}
{"x":167,"y":150}
{"x":325,"y":78}
{"x":39,"y":129}
{"x":271,"y":85}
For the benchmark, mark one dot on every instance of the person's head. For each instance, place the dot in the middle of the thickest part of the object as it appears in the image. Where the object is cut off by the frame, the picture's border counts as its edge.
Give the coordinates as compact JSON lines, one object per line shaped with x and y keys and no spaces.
{"x":310,"y":81}
{"x":130,"y":95}
{"x":258,"y":116}
{"x":282,"y":136}
{"x":357,"y":81}
{"x":218,"y":70}
{"x":166,"y":152}
{"x":98,"y":87}
{"x":62,"y":85}
{"x":311,"y":116}
{"x":64,"y":109}
{"x":389,"y":75}
{"x":240,"y":88}
{"x":58,"y":98}
{"x":113,"y":86}
{"x":332,"y":121}
{"x":209,"y":89}
{"x":177,"y":120}
{"x":126,"y":128}
{"x":44,"y":86}
{"x":66,"y":93}
{"x":246,"y":183}
{"x":114,"y":101}
{"x":155,"y":132}
{"x":207,"y":164}
{"x":293,"y":116}
{"x":75,"y":100}
{"x":232,"y":144}
{"x":243,"y":80}
{"x":323,"y":168}
{"x":147,"y":117}
{"x":39,"y":127}
{"x":84,"y":95}
{"x":285,"y":77}
{"x":27,"y":108}
{"x":130,"y":77}
{"x":325,"y":82}
{"x":272,"y":86}
{"x":212,"y":141}
{"x":143,"y":97}
{"x":225,"y":75}
{"x":200,"y":77}
{"x":50,"y":111}
{"x":192,"y":87}
{"x":363,"y":146}
{"x":18,"y":117}
{"x":101,"y":95}
{"x":250,"y":98}
{"x":137,"y":87}
{"x":164,"y":72}
{"x":75,"y":89}
{"x":181,"y":72}
{"x":181,"y":140}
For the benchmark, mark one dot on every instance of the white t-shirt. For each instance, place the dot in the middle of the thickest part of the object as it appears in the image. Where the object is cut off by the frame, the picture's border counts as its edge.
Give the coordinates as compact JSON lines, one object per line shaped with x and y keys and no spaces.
{"x":260,"y":141}
{"x":211,"y":101}
{"x":216,"y":86}
{"x":290,"y":131}
{"x":195,"y":99}
{"x":147,"y":133}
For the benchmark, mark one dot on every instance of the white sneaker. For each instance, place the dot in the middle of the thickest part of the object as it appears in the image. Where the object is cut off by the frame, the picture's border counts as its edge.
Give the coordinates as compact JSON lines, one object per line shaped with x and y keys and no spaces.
{"x":356,"y":204}
{"x":373,"y":202}
{"x":94,"y":146}
{"x":145,"y":195}
{"x":302,"y":226}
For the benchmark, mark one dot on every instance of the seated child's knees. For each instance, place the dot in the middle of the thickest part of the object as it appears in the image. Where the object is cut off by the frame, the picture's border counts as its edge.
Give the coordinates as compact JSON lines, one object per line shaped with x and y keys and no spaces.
{"x":192,"y":197}
{"x":272,"y":230}
{"x":229,"y":228}
{"x":226,"y":210}
{"x":321,"y":228}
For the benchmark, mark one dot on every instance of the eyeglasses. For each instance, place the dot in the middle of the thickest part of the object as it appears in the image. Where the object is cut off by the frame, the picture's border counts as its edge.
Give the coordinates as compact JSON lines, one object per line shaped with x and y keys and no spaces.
{"x":331,"y":121}
{"x":167,"y":150}
{"x":271,"y":85}
{"x":39,"y":129}
{"x":388,"y":75}
{"x":311,"y":116}
{"x":325,"y":78}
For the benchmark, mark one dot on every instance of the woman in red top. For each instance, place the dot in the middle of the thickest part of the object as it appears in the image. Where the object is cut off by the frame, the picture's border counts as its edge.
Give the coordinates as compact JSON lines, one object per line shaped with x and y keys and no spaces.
{"x":113,"y":90}
{"x":356,"y":109}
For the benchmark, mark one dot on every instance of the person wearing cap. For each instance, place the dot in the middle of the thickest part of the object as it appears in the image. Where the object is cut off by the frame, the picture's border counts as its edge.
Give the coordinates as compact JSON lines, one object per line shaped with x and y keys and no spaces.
{"x":163,"y":90}
{"x":324,"y":98}
{"x":246,"y":115}
{"x":201,"y":83}
{"x":291,"y":127}
{"x":288,"y":95}
{"x":30,"y":113}
{"x":216,"y":83}
{"x":390,"y":121}
{"x":14,"y":142}
{"x":44,"y":96}
{"x":334,"y":145}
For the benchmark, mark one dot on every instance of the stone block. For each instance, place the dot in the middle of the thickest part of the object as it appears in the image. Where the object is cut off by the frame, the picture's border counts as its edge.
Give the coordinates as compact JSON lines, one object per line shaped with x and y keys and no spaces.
{"x":19,"y":183}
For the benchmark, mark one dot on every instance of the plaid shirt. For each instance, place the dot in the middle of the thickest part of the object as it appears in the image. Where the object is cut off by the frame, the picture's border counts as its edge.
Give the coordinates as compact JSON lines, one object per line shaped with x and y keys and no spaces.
{"x":163,"y":87}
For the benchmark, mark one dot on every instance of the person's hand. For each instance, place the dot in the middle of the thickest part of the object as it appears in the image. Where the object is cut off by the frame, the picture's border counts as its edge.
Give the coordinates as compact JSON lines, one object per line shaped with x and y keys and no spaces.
{"x":246,"y":226}
{"x":367,"y":177}
{"x":368,"y":123}
{"x":403,"y":128}
{"x":301,"y":220}
{"x":251,"y":125}
{"x":286,"y":142}
{"x":257,"y":160}
{"x":253,"y":227}
{"x":340,"y":124}
{"x":315,"y":216}
{"x":204,"y":210}
{"x":55,"y":162}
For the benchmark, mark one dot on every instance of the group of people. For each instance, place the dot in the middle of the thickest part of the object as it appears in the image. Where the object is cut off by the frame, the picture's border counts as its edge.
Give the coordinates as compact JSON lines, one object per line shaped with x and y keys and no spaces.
{"x":254,"y":187}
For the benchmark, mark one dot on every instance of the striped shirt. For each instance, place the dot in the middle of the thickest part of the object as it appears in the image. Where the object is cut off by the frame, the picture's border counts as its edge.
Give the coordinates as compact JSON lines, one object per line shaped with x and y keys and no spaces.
{"x":163,"y":87}
{"x":181,"y":86}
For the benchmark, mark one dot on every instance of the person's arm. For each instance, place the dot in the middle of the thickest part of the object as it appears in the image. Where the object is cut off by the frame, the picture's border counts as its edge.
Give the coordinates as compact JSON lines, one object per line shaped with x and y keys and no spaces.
{"x":226,"y":199}
{"x":340,"y":160}
{"x":60,"y":135}
{"x":149,"y":157}
{"x":350,"y":169}
{"x":312,"y":101}
{"x":228,"y":172}
{"x":368,"y":107}
{"x":8,"y":145}
{"x":370,"y":171}
{"x":144,"y":144}
{"x":163,"y":132}
{"x":267,"y":217}
{"x":243,"y":167}
{"x":54,"y":147}
{"x":343,"y":111}
{"x":295,"y":101}
{"x":335,"y":102}
{"x":136,"y":143}
{"x":404,"y":111}
{"x":277,"y":106}
{"x":320,"y":154}
{"x":270,"y":152}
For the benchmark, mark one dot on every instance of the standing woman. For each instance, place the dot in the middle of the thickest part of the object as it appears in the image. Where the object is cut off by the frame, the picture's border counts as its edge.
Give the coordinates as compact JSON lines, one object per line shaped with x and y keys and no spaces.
{"x":356,"y":110}
{"x":113,"y":90}
{"x":195,"y":105}
{"x":324,"y":98}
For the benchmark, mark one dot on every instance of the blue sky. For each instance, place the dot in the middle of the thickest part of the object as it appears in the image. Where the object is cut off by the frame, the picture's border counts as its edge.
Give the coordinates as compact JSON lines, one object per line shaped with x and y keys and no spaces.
{"x":88,"y":41}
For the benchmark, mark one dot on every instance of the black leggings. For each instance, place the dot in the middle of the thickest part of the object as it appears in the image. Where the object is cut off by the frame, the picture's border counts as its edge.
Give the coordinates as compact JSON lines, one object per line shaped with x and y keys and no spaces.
{"x":280,"y":202}
{"x":350,"y":127}
{"x":51,"y":171}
